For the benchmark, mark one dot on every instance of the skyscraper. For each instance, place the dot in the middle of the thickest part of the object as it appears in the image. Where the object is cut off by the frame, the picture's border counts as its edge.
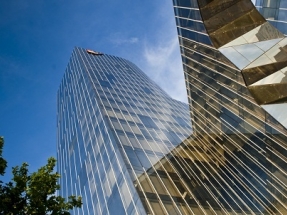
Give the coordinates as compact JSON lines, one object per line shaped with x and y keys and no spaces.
{"x":114,"y":123}
{"x":235,"y":67}
{"x":128,"y":148}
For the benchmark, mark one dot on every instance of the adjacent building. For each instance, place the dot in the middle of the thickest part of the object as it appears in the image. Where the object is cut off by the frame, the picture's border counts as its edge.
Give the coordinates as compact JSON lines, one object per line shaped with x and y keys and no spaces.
{"x":235,"y":68}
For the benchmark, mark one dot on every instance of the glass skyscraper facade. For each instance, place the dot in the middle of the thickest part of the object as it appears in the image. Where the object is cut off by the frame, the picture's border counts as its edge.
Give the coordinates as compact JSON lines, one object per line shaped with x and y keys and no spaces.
{"x":127,"y":148}
{"x":234,"y":64}
{"x":275,"y":11}
{"x":114,"y":123}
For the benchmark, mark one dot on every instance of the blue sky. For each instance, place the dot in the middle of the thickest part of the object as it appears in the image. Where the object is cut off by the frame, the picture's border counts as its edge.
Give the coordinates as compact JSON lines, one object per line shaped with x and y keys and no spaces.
{"x":36,"y":40}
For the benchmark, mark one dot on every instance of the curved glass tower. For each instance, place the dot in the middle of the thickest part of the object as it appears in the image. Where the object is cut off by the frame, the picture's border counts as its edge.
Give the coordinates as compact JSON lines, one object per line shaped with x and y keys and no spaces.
{"x":114,"y":123}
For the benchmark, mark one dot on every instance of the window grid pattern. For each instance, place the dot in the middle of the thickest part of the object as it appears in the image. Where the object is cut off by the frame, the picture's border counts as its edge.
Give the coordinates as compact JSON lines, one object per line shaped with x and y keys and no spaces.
{"x":114,"y":123}
{"x":235,"y":160}
{"x":275,"y":12}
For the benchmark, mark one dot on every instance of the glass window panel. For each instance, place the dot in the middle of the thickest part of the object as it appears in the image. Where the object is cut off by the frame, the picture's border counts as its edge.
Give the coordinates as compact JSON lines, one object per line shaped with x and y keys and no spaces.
{"x":235,"y":57}
{"x":146,"y":186}
{"x":133,"y":158}
{"x":188,"y":13}
{"x":125,"y":194}
{"x":123,"y":139}
{"x":115,"y":204}
{"x":186,"y":3}
{"x":158,"y":186}
{"x":143,"y":159}
{"x":156,"y":207}
{"x":283,"y":4}
{"x":171,"y":208}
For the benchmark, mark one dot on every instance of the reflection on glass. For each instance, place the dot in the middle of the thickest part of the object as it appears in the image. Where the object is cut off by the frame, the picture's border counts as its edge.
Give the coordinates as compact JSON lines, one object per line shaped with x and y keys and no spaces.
{"x":116,"y":123}
{"x":234,"y":162}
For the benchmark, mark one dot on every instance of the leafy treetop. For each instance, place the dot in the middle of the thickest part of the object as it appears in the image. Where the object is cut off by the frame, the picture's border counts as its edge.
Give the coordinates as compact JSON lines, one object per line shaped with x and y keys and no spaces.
{"x":33,"y":193}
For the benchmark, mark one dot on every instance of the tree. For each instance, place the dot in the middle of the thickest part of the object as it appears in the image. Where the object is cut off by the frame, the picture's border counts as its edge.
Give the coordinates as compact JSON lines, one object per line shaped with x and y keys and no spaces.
{"x":3,"y":162}
{"x":33,"y":193}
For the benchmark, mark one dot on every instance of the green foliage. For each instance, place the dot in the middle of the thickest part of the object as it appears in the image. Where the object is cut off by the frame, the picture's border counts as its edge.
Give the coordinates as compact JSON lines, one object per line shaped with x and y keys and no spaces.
{"x":33,"y":193}
{"x":3,"y":163}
